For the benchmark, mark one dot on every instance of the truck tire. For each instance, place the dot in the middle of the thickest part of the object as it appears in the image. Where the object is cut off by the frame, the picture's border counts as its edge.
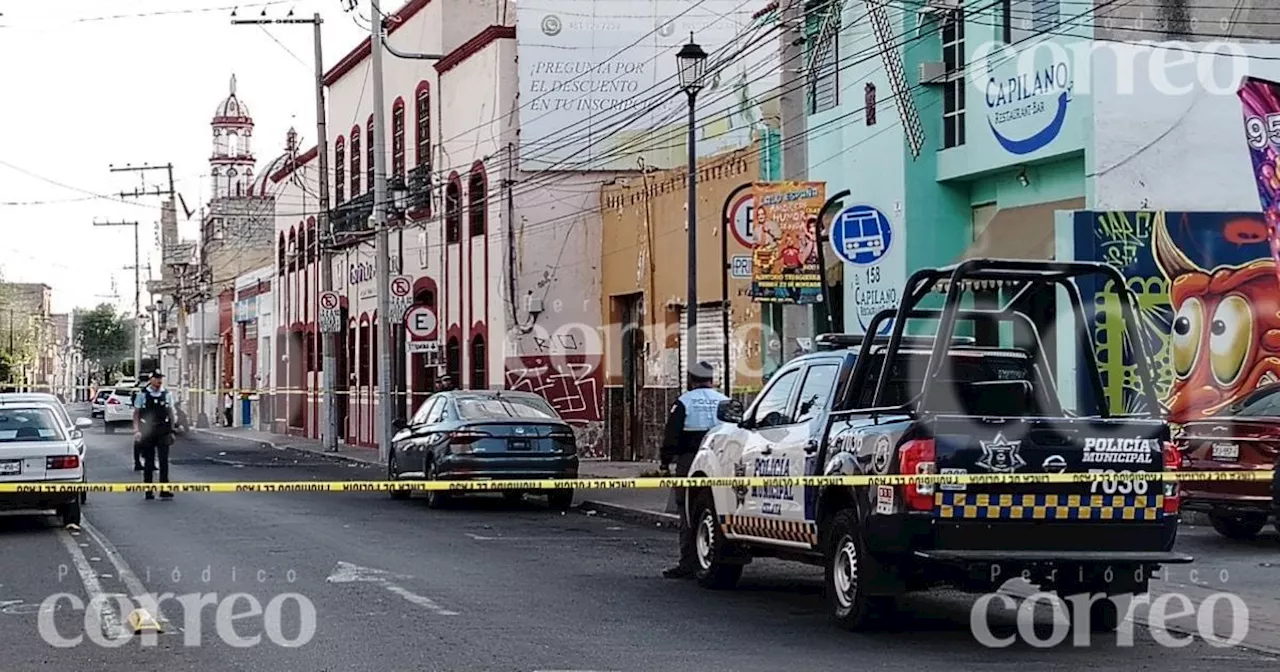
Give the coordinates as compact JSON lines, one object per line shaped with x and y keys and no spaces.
{"x":851,"y":607}
{"x":710,"y":546}
{"x":1240,"y":526}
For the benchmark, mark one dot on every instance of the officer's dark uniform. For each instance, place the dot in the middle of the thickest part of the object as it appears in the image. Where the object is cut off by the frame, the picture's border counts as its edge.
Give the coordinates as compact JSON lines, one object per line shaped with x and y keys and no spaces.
{"x":155,"y":425}
{"x":689,"y":420}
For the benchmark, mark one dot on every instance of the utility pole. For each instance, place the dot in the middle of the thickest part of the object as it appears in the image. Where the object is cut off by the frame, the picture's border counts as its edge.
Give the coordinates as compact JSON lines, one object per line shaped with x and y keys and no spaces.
{"x":329,"y":344}
{"x":377,"y":141}
{"x":795,"y":159}
{"x":178,"y":296}
{"x":137,"y":297}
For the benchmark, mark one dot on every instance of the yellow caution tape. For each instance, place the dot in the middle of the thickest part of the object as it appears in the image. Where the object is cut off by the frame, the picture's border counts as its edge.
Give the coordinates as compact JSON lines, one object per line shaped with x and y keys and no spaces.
{"x":636,"y":483}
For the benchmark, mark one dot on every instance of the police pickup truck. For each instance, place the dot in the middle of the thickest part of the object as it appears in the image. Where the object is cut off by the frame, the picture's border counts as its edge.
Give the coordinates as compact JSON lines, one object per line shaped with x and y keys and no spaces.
{"x":952,"y":406}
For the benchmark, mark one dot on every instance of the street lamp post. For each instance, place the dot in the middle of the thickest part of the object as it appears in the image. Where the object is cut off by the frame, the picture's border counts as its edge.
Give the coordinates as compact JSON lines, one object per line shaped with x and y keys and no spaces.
{"x":693,"y":62}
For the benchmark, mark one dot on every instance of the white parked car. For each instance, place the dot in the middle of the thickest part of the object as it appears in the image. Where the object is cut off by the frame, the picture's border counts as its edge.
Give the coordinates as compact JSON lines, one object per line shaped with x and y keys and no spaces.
{"x":35,"y":447}
{"x":119,"y":409}
{"x":74,"y":428}
{"x":99,"y":404}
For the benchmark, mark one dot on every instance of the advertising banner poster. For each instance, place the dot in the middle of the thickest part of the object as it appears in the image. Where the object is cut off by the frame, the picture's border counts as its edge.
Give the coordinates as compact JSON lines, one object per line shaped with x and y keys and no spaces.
{"x":1261,"y":100}
{"x":784,"y":264}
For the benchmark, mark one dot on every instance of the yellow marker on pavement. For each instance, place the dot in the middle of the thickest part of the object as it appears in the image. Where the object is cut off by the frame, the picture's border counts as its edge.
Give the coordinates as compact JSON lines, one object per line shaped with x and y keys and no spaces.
{"x":141,"y":620}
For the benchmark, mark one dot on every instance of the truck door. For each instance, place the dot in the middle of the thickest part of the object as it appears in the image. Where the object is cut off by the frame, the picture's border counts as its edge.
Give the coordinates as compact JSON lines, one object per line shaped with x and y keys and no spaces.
{"x":771,"y":428}
{"x":802,"y":449}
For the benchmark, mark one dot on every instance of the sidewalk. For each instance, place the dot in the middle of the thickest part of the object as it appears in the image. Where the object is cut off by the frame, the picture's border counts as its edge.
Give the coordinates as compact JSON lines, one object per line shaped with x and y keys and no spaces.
{"x":644,"y":506}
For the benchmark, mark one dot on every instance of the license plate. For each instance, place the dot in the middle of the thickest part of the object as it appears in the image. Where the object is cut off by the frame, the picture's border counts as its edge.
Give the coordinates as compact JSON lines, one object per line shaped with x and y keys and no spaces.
{"x":1226,"y":451}
{"x":518,"y":444}
{"x":10,"y":467}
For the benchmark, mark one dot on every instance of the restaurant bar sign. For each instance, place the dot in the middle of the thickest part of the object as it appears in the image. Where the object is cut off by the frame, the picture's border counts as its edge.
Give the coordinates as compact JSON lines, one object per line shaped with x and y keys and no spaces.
{"x":784,"y":264}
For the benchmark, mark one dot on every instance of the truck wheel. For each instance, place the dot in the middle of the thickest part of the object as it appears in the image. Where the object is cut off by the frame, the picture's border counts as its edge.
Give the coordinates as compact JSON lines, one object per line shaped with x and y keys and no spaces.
{"x":1242,"y":527}
{"x":851,"y":607}
{"x":710,"y":546}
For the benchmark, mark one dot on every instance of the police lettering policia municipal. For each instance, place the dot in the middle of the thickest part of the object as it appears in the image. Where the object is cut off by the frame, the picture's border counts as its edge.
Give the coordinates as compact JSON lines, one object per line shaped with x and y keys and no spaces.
{"x":690,"y":418}
{"x":153,"y":430}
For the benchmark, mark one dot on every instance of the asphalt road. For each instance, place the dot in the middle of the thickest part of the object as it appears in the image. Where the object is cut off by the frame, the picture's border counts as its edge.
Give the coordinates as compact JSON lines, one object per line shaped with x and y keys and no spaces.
{"x":480,"y":586}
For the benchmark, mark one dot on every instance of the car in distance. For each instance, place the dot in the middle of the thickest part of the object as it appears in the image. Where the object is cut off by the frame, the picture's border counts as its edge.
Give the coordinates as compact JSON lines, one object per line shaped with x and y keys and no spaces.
{"x":36,"y":448}
{"x":482,"y":436}
{"x":119,"y":409}
{"x":99,"y":404}
{"x":1242,"y":437}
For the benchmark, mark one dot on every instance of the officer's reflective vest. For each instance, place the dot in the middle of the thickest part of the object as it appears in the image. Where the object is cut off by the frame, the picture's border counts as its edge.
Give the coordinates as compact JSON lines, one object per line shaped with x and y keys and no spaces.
{"x":700,"y":408}
{"x":155,"y":413}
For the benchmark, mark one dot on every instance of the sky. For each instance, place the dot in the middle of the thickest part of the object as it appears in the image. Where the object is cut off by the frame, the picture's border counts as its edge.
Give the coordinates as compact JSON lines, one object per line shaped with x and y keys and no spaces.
{"x":95,"y":83}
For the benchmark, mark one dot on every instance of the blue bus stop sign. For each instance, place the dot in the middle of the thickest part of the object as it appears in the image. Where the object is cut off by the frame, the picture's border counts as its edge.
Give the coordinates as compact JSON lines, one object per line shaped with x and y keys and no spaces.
{"x":861,"y":235}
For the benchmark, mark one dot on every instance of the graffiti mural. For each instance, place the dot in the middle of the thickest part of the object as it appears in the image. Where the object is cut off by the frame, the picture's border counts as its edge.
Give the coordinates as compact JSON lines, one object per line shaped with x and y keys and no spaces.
{"x":1209,"y":302}
{"x":572,"y":384}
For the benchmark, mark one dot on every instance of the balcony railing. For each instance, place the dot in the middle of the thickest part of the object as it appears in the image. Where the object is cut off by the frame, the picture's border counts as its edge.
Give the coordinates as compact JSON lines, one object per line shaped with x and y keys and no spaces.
{"x":352,"y":216}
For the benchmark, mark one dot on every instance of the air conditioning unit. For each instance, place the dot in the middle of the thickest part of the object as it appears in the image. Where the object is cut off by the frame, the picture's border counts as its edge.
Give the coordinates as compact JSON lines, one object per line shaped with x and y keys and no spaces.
{"x":933,"y":72}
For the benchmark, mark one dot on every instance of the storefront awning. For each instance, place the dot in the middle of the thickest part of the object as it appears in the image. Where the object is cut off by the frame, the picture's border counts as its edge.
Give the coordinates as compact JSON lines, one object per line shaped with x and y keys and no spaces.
{"x":1020,"y":233}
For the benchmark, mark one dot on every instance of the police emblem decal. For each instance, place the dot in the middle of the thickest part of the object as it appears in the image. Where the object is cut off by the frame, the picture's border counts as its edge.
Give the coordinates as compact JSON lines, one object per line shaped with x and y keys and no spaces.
{"x":1001,"y":456}
{"x":881,"y":456}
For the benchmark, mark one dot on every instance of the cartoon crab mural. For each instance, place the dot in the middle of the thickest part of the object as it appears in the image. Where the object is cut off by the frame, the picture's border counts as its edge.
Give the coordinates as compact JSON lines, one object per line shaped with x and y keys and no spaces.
{"x":1225,"y":336}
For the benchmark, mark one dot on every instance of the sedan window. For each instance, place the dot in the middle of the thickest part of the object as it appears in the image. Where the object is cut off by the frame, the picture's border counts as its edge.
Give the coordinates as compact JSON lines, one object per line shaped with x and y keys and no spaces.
{"x":28,"y":424}
{"x":505,"y":408}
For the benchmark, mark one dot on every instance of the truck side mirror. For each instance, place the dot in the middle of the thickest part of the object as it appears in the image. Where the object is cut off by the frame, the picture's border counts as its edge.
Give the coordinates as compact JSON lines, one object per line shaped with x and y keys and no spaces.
{"x":730,"y":411}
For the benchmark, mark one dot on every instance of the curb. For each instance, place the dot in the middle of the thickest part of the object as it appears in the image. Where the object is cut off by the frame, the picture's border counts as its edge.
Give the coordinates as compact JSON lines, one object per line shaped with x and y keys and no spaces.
{"x":272,"y":445}
{"x":643,"y":516}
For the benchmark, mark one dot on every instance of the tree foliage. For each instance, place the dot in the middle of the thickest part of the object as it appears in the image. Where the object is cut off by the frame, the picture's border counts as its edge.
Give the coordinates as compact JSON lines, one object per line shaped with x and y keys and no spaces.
{"x":102,"y":335}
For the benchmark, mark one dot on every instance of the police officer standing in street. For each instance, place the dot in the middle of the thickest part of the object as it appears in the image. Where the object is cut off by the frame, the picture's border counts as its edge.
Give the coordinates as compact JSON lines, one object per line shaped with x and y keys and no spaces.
{"x":153,"y":419}
{"x":690,"y":418}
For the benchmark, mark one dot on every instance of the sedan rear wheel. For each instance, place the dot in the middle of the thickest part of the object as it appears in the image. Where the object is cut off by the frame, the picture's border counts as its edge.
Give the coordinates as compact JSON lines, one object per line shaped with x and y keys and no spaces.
{"x":436,"y":499}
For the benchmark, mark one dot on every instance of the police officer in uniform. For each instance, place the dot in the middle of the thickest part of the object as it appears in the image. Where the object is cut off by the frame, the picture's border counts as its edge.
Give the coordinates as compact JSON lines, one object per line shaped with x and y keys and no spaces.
{"x":690,"y":418}
{"x":153,"y":419}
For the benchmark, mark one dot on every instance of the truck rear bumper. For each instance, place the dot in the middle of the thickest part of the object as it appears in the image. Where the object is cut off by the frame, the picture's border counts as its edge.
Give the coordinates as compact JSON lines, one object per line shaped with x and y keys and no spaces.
{"x":1043,"y":541}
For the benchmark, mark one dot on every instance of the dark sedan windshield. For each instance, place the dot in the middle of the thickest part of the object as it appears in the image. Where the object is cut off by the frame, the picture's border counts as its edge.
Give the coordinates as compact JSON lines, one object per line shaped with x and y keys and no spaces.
{"x":507,"y":407}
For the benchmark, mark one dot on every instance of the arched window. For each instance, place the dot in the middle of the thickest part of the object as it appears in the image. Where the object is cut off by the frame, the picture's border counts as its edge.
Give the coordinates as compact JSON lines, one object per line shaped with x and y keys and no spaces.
{"x":397,"y":138}
{"x":311,"y":240}
{"x":366,"y":336}
{"x":453,"y":211}
{"x":422,"y":118}
{"x":292,"y":252}
{"x":453,"y":360}
{"x":477,"y":200}
{"x":355,"y":161}
{"x":339,"y":171}
{"x":368,"y":144}
{"x":281,"y":261}
{"x":479,"y":375}
{"x":373,"y":351}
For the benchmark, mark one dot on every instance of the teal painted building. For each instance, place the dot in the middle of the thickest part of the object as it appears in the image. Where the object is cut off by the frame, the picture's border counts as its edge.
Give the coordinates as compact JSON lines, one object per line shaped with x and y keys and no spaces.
{"x":1003,"y":138}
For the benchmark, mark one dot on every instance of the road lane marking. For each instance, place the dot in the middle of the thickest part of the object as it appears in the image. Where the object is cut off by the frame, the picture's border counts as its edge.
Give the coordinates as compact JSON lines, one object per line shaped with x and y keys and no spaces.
{"x":123,"y":570}
{"x":346,"y":572}
{"x":107,"y":616}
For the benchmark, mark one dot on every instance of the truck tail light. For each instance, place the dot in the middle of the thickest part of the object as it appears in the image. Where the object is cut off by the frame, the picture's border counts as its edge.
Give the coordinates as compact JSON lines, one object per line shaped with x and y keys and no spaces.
{"x":112,"y":401}
{"x":1172,"y":489}
{"x":62,"y":462}
{"x":918,"y":458}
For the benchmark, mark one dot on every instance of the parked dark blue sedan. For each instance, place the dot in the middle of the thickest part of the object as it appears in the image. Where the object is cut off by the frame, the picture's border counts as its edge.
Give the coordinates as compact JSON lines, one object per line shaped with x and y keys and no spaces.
{"x":484,"y":435}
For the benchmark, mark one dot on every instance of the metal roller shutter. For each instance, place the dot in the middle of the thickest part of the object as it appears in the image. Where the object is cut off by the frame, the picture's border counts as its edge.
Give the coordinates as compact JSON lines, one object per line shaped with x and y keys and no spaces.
{"x":710,"y":342}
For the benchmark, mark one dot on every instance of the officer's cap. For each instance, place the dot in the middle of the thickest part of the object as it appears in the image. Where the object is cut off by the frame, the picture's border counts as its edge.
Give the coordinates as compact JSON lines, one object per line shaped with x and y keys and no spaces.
{"x":701,"y":371}
{"x":157,"y":374}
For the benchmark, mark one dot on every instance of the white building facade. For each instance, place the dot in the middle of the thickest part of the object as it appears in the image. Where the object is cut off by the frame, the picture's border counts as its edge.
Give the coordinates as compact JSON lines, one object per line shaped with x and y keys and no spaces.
{"x":509,"y":271}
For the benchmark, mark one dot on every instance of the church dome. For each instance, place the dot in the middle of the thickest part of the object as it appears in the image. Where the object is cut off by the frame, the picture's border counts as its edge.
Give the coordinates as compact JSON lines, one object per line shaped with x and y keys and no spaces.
{"x":232,"y":107}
